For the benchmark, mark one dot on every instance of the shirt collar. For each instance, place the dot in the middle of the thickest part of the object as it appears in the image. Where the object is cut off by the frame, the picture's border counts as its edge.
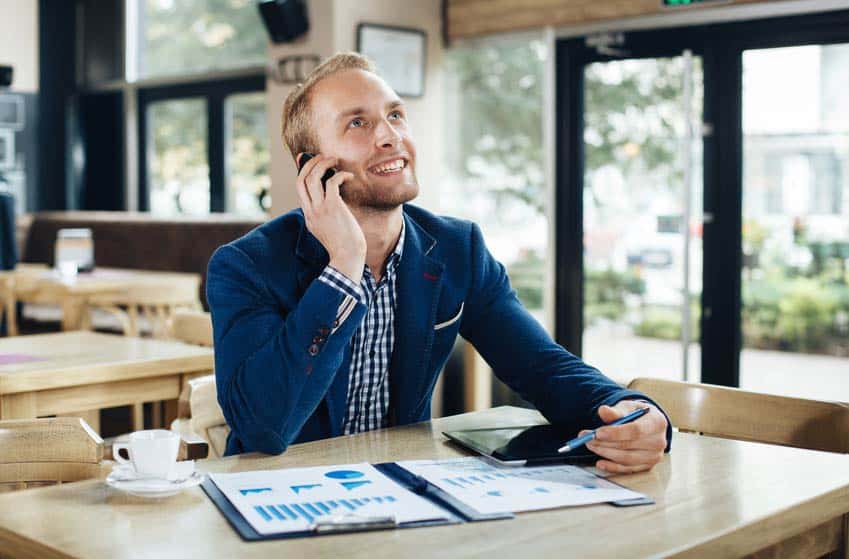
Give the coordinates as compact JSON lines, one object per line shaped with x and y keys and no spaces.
{"x":399,"y":247}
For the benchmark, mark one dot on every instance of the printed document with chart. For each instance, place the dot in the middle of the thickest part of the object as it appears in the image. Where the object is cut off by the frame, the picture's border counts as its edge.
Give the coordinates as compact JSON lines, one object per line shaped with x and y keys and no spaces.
{"x":489,"y":489}
{"x":292,"y":500}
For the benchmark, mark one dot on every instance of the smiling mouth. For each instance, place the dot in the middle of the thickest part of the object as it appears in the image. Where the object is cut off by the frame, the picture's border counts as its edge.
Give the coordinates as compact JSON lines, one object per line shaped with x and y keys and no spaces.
{"x":389,"y":168}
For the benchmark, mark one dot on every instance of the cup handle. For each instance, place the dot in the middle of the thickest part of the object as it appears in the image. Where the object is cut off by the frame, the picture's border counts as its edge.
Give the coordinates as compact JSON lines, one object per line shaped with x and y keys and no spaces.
{"x":116,"y":453}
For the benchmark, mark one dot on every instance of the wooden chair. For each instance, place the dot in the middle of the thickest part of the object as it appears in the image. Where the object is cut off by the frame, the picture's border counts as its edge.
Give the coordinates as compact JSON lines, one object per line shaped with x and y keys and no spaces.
{"x":738,"y":414}
{"x":200,"y":417}
{"x":192,"y":327}
{"x":732,"y":413}
{"x":15,"y":285}
{"x":38,"y":452}
{"x":156,"y":303}
{"x":198,"y":412}
{"x":8,"y":303}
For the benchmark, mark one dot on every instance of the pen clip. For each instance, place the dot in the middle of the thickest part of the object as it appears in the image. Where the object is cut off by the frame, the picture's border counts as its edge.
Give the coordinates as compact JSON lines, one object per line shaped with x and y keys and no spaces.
{"x":352,"y":523}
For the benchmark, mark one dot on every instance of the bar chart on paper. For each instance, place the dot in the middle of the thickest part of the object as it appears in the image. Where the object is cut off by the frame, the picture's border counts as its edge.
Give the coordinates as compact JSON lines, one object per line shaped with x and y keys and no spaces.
{"x":293,"y":500}
{"x":490,"y":489}
{"x":311,"y":511}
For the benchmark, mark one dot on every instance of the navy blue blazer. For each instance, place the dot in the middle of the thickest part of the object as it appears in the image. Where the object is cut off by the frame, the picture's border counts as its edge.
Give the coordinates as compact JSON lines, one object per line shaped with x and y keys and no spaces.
{"x":282,"y":351}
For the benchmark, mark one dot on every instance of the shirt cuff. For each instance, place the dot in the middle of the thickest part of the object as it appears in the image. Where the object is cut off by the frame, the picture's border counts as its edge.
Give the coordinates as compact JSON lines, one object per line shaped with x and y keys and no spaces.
{"x":336,"y":279}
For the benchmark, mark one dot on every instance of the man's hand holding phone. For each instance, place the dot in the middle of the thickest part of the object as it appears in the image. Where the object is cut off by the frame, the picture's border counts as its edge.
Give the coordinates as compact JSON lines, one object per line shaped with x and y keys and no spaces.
{"x":328,"y":216}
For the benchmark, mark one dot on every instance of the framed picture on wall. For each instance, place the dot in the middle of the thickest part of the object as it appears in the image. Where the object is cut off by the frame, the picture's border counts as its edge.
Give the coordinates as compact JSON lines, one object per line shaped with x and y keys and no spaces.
{"x":399,"y":53}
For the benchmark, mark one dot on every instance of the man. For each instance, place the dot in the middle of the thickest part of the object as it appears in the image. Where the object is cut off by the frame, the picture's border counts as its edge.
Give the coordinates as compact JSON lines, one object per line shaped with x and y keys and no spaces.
{"x":338,"y":317}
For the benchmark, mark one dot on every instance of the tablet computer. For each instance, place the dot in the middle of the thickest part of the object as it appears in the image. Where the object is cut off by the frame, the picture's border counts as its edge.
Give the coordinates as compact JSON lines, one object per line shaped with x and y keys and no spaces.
{"x":523,"y":446}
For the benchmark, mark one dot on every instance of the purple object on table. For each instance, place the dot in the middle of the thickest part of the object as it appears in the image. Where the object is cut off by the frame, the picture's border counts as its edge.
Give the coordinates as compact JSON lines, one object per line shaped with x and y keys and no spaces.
{"x":15,"y":358}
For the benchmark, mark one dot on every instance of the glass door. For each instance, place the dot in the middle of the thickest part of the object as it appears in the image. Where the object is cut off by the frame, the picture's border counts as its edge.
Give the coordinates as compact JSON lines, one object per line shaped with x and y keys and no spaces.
{"x":642,"y":216}
{"x":795,"y":277}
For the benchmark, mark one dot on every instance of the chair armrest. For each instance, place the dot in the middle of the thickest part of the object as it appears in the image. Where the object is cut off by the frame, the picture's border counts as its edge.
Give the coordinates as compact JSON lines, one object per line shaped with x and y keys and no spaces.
{"x":192,"y":447}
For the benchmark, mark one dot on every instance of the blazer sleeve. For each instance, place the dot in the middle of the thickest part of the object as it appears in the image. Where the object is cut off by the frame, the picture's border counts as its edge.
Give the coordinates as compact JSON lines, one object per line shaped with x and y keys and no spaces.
{"x":563,"y":388}
{"x":273,"y":365}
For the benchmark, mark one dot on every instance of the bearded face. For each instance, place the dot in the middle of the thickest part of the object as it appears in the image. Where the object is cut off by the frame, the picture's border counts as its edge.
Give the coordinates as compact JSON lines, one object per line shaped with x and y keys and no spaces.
{"x":362,"y":122}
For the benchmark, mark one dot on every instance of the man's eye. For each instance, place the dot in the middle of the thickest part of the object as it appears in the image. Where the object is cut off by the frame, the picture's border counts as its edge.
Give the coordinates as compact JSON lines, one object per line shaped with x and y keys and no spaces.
{"x":356,"y":123}
{"x":396,"y":115}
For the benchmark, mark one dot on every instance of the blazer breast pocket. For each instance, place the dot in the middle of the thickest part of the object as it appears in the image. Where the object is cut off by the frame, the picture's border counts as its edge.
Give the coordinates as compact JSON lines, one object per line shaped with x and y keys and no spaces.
{"x":445,"y":324}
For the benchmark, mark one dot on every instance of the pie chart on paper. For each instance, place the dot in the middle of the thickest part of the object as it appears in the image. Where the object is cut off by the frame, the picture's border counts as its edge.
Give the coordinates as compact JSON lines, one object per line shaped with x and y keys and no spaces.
{"x":344,"y":474}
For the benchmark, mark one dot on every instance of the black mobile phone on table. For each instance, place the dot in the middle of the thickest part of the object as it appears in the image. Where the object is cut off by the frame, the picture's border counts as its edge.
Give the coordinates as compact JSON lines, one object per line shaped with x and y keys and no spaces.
{"x":327,"y":174}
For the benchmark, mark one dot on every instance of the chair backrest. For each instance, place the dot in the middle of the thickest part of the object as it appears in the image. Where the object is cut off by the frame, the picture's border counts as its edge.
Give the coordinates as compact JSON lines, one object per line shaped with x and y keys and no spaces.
{"x":198,"y":410}
{"x":739,"y":414}
{"x":199,"y":414}
{"x":48,"y":451}
{"x":192,"y":327}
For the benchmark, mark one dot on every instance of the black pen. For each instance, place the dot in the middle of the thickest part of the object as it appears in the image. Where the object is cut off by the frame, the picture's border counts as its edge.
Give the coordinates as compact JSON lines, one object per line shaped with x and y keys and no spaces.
{"x":584,"y":439}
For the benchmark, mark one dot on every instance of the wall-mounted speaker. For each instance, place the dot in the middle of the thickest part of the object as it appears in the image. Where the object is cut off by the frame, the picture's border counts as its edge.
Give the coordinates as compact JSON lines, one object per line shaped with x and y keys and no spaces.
{"x":285,"y":20}
{"x":5,"y":76}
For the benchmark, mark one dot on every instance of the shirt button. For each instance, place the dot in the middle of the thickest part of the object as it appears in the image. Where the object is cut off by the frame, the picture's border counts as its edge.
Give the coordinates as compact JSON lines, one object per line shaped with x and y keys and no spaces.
{"x":317,"y":340}
{"x":313,"y":349}
{"x":324,"y":330}
{"x":335,"y":323}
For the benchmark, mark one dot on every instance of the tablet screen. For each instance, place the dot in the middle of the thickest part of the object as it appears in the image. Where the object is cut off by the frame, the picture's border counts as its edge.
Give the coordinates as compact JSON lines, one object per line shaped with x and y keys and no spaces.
{"x":536,"y":443}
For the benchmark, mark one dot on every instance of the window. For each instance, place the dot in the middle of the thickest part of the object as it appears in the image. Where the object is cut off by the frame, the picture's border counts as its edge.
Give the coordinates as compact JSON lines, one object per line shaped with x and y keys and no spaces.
{"x":180,"y":37}
{"x":496,"y":160}
{"x":202,"y":132}
{"x":795,"y":212}
{"x":248,"y":158}
{"x":179,"y":169}
{"x":496,"y":156}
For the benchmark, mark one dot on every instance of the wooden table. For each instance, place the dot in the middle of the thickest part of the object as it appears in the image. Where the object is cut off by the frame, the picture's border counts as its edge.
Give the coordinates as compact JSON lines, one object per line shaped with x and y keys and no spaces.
{"x":715,"y":498}
{"x":38,"y":284}
{"x":71,"y":372}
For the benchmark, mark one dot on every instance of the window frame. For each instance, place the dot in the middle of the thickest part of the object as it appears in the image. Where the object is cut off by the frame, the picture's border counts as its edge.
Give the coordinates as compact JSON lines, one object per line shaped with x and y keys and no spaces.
{"x":215,"y":93}
{"x":721,"y":47}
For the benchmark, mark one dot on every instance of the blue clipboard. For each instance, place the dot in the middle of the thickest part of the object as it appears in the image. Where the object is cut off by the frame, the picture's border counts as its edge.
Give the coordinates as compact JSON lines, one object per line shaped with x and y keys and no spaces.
{"x":456,"y":511}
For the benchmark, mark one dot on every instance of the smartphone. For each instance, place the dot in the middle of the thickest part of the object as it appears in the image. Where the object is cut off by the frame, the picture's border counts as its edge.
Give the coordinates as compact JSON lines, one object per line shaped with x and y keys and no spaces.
{"x":327,"y":174}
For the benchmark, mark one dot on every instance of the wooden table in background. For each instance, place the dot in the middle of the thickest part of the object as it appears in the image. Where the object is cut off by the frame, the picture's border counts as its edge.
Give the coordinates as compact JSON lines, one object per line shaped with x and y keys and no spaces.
{"x":38,"y":284}
{"x":715,"y":498}
{"x":69,"y":372}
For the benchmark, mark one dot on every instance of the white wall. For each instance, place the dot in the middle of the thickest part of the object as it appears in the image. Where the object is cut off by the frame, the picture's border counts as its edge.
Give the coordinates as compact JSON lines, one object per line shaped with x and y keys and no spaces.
{"x":333,"y":28}
{"x":19,"y":42}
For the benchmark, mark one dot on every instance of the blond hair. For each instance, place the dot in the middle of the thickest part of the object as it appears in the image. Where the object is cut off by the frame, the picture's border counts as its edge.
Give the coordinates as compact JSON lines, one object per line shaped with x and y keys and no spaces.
{"x":296,"y":125}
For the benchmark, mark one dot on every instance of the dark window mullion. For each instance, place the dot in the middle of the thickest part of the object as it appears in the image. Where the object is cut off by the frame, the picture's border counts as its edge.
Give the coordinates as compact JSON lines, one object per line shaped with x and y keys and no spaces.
{"x":143,"y":191}
{"x":568,"y":241}
{"x":723,"y":196}
{"x":216,"y":152}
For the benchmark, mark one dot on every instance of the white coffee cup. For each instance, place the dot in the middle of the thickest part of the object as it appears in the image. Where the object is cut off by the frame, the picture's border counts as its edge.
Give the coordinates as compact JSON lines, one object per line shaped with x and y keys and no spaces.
{"x":152,"y":453}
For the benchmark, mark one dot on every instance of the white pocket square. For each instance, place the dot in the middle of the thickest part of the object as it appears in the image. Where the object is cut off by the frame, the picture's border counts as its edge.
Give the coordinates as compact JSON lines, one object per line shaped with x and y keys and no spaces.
{"x":452,"y":320}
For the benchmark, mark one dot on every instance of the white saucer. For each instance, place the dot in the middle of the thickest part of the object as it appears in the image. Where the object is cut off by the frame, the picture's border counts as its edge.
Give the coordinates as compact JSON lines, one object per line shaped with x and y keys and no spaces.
{"x":124,"y":478}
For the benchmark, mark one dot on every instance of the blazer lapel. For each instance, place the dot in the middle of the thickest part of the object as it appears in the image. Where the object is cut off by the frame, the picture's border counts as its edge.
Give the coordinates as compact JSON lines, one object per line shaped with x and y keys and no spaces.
{"x":419,"y":285}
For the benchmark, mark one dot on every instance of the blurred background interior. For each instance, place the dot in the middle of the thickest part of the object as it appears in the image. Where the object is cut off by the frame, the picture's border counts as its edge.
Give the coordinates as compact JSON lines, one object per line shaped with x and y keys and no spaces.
{"x":666,"y":181}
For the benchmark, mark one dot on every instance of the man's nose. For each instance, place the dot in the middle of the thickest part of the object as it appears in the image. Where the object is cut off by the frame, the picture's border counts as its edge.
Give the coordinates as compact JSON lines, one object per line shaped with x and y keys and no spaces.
{"x":386,"y":135}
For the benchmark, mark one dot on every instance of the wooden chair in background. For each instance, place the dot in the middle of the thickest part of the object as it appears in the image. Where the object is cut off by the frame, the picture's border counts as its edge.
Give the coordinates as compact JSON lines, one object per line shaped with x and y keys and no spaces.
{"x":8,"y":303}
{"x":198,"y":413}
{"x":154,"y":303}
{"x":17,"y":285}
{"x":739,"y":414}
{"x":192,"y":327}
